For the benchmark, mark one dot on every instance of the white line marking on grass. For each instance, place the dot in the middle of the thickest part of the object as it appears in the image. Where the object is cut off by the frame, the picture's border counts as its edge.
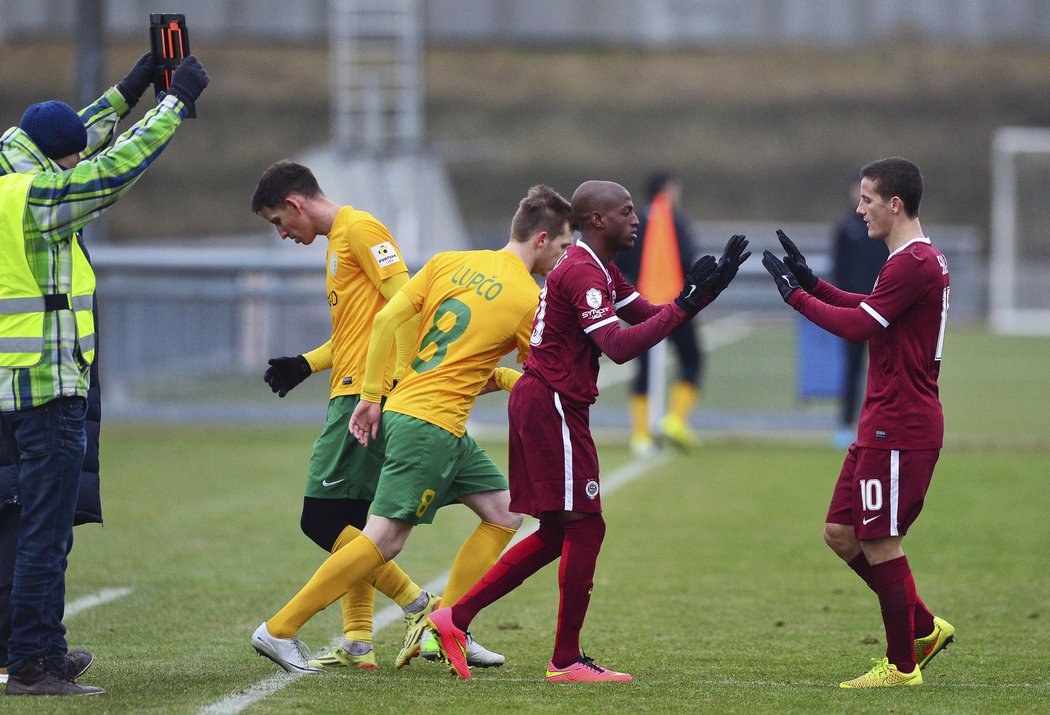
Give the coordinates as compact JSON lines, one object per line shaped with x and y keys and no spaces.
{"x":716,"y":334}
{"x":95,"y":599}
{"x":82,"y":604}
{"x":232,"y":704}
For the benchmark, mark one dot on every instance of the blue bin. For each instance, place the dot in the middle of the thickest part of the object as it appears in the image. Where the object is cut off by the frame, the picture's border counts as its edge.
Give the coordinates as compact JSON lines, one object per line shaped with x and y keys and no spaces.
{"x":820,"y":361}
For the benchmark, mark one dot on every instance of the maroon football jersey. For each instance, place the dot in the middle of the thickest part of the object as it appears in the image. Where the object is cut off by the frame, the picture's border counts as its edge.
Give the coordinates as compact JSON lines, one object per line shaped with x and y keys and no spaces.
{"x":909,"y":302}
{"x":902,"y":409}
{"x":579,"y":296}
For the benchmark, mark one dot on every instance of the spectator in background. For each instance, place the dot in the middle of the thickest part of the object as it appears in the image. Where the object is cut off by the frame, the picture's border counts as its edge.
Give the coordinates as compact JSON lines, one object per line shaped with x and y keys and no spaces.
{"x":47,"y":338}
{"x":856,"y":261}
{"x":685,"y":392}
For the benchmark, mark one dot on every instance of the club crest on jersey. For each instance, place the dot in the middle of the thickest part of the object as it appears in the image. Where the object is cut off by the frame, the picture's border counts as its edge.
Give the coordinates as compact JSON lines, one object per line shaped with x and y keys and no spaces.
{"x":591,"y":490}
{"x":333,"y":264}
{"x":594,"y":297}
{"x":385,"y":254}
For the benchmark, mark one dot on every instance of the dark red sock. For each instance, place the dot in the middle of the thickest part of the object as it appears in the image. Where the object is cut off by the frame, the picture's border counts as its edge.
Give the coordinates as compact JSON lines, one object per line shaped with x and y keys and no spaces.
{"x":521,"y":561}
{"x":895,"y":587}
{"x":923,"y":618}
{"x":583,"y":541}
{"x":863,"y":568}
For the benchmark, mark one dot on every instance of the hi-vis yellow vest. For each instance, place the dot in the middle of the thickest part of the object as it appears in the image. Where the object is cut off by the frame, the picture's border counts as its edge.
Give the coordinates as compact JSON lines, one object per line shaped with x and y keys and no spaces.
{"x":22,"y":304}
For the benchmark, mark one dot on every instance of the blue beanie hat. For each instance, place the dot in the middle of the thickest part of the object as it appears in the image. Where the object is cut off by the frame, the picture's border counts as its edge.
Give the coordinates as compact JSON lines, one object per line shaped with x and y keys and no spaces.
{"x":55,"y":128}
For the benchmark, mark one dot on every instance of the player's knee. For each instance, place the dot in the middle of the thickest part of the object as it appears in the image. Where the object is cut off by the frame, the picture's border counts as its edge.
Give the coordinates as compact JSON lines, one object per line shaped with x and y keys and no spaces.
{"x":839,"y":538}
{"x":512,"y":520}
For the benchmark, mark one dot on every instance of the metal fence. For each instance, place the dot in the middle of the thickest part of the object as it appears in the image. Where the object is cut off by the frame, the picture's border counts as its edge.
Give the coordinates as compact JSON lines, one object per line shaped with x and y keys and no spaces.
{"x":187,"y":330}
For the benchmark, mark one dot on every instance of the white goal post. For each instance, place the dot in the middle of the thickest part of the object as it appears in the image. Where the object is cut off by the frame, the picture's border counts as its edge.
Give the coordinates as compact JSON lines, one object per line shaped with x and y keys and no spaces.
{"x":1019,"y":280}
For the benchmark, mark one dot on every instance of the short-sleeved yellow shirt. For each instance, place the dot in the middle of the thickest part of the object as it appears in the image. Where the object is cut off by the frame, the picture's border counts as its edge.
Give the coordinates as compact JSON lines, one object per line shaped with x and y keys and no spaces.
{"x":475,"y":307}
{"x":361,"y":255}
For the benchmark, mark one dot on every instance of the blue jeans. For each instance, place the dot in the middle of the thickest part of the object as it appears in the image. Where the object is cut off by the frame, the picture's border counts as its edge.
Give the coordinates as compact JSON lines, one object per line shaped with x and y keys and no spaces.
{"x":47,"y":446}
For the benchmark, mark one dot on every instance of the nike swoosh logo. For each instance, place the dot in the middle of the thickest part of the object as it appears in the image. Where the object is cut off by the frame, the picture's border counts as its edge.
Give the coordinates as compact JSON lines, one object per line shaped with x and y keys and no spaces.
{"x":692,"y":289}
{"x":555,"y":673}
{"x":926,"y":651}
{"x":327,"y":483}
{"x":872,"y":518}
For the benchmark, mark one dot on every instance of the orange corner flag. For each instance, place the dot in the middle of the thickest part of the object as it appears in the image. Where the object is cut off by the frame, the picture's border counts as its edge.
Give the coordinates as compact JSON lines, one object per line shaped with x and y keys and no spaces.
{"x":660,"y":275}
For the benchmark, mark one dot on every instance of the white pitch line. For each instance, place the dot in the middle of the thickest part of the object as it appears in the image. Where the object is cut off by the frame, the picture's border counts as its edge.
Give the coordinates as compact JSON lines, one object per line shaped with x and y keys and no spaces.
{"x":95,"y":599}
{"x":232,"y":704}
{"x":716,"y":334}
{"x":82,"y":604}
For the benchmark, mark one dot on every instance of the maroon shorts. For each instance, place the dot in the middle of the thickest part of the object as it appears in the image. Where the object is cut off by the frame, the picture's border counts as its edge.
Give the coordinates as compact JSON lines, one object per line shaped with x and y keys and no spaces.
{"x":880,"y":491}
{"x":553,"y":465}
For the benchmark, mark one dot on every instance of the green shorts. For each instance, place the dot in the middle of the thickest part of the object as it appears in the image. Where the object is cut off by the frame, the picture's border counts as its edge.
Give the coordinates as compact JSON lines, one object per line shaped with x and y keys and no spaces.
{"x":340,"y":468}
{"x":428,"y":467}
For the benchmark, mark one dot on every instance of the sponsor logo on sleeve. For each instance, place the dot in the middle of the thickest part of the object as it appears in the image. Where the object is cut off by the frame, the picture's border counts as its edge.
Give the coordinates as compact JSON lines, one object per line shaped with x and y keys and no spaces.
{"x":385,"y":254}
{"x":594,"y":297}
{"x":333,"y":263}
{"x":596,"y":314}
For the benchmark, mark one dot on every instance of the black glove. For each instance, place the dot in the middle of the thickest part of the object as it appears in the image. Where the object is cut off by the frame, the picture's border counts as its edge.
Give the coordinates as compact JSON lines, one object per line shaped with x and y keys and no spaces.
{"x":285,"y":373}
{"x":785,"y":280}
{"x":796,"y":263}
{"x":700,"y":281}
{"x":136,"y":81}
{"x":189,"y":80}
{"x":729,"y":263}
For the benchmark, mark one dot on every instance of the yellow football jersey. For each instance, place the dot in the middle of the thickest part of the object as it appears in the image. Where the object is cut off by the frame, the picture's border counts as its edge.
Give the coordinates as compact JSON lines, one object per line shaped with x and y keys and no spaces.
{"x":475,"y":307}
{"x":361,"y":255}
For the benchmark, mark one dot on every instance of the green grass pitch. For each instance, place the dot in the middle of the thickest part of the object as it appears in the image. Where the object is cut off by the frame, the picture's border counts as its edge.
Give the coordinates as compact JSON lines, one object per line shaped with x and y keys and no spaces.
{"x":713,"y":589}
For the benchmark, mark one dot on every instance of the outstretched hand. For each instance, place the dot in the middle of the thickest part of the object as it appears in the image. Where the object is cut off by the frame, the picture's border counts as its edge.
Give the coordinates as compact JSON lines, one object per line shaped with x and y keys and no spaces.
{"x":364,"y":423}
{"x":785,"y":280}
{"x":189,"y":80}
{"x":732,"y":257}
{"x":700,"y":282}
{"x":796,"y":262}
{"x":137,"y":79}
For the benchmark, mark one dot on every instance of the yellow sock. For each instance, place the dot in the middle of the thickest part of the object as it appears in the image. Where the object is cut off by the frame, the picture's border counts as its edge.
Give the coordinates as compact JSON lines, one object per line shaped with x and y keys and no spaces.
{"x":476,"y":556}
{"x":388,"y":579}
{"x":358,"y":603}
{"x":638,"y":406}
{"x":395,"y":584}
{"x":683,"y":398}
{"x":336,"y":575}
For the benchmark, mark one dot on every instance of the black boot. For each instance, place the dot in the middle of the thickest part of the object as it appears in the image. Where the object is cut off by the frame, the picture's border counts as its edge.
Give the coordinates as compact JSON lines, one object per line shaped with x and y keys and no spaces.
{"x":78,"y":661}
{"x":35,"y":678}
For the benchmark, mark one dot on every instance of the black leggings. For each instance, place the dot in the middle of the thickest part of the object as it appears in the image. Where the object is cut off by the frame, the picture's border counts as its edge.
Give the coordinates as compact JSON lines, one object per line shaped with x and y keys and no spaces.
{"x":323,"y":520}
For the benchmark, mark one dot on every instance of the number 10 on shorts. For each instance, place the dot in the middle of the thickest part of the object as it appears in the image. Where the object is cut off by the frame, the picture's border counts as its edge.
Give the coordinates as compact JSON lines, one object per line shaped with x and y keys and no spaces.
{"x":870,"y":494}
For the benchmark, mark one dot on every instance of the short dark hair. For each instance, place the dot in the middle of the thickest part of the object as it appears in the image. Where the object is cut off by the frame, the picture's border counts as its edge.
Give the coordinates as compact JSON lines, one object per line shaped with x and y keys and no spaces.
{"x":542,"y":209}
{"x":658,"y":182}
{"x":896,"y":177}
{"x":281,"y":179}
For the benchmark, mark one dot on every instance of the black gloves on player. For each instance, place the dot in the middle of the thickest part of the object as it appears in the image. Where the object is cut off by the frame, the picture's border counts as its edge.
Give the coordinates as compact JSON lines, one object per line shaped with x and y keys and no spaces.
{"x":285,"y":373}
{"x":796,"y":263}
{"x":785,"y":280}
{"x":701,"y":280}
{"x":137,"y":79}
{"x":729,"y":263}
{"x":189,"y":80}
